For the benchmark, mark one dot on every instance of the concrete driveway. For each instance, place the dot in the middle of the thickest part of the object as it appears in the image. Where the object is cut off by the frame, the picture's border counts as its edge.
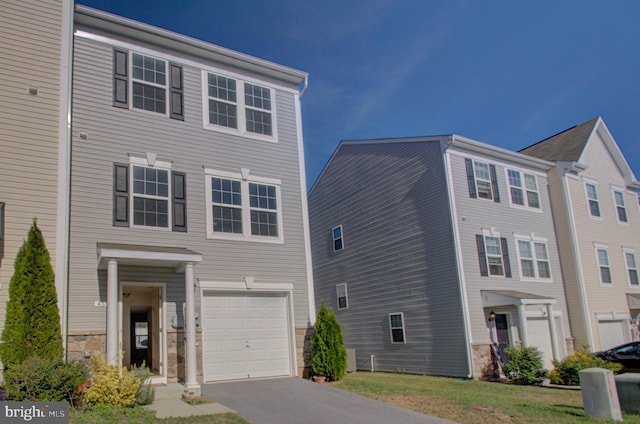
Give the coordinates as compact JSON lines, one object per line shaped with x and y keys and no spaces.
{"x":298,"y":401}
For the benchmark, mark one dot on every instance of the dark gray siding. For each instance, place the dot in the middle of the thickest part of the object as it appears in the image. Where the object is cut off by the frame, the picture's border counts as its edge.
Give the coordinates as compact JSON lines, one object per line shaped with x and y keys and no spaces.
{"x":399,"y":255}
{"x":114,"y":132}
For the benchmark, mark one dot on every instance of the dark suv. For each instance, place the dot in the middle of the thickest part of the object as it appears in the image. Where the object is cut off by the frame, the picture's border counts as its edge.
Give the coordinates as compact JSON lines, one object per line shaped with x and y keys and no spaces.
{"x":628,"y":355}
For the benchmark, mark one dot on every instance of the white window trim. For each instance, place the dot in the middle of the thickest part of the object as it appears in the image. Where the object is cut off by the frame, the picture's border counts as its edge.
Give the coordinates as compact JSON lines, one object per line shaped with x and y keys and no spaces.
{"x":475,"y":179}
{"x":532,"y":238}
{"x":404,"y":332}
{"x":491,"y":232}
{"x":334,"y":239}
{"x":615,"y":204}
{"x":150,"y":161}
{"x":524,"y":190}
{"x":131,"y":79}
{"x":586,"y":195}
{"x":604,"y":247}
{"x":346,"y":295}
{"x":625,"y":251}
{"x":240,"y":107}
{"x":245,"y":178}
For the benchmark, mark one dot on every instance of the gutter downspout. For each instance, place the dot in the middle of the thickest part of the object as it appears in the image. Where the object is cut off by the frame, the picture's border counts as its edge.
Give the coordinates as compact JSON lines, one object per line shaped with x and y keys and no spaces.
{"x":464,"y":301}
{"x":64,"y":170}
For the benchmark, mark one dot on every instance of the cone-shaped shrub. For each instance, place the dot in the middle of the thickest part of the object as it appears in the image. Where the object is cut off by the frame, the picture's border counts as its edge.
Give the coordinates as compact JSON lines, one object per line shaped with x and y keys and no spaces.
{"x":328,"y":355}
{"x":32,"y":326}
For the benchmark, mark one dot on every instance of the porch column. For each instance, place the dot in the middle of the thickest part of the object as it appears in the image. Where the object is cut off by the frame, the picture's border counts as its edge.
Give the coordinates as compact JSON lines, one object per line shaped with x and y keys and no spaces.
{"x":524,"y":338}
{"x":191,"y":360}
{"x":552,"y":332}
{"x":112,"y":312}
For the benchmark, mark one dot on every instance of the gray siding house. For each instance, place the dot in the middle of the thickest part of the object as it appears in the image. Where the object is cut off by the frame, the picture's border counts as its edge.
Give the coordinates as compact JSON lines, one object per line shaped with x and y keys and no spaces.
{"x":189,"y":242}
{"x":436,"y":253}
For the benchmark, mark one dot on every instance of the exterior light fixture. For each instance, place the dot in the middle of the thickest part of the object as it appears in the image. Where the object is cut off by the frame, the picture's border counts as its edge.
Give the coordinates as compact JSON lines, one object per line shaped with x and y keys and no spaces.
{"x":492,"y":316}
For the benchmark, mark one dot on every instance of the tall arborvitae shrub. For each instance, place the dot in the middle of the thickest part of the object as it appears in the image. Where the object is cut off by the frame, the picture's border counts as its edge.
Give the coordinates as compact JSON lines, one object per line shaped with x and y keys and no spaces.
{"x":328,"y":355}
{"x":32,"y":325}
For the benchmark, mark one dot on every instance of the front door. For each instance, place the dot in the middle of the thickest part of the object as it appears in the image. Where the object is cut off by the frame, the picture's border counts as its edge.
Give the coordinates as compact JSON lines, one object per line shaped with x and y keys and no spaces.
{"x":502,"y":336}
{"x":141,"y":349}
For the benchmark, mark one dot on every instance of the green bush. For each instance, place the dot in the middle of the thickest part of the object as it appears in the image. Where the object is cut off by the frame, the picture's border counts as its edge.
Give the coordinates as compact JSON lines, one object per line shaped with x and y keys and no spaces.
{"x":525,"y":365}
{"x":32,"y":326}
{"x":328,"y":355}
{"x":566,"y":372}
{"x":111,"y":385}
{"x":146,"y":392}
{"x":39,"y":379}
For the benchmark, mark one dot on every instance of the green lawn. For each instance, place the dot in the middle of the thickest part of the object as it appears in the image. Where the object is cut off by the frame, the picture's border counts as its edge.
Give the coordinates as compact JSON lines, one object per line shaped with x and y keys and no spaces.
{"x":139,"y":415}
{"x":472,"y":401}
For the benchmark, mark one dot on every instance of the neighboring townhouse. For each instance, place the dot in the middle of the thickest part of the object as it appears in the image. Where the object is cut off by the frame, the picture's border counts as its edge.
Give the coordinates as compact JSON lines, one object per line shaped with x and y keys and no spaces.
{"x":189,"y":247}
{"x":35,"y":92}
{"x":595,"y":205}
{"x":436,"y":253}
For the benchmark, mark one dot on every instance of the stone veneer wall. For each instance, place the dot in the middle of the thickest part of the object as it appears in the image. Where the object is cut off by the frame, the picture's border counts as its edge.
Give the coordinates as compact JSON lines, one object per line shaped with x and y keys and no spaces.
{"x":484,"y":364}
{"x":303,"y":351}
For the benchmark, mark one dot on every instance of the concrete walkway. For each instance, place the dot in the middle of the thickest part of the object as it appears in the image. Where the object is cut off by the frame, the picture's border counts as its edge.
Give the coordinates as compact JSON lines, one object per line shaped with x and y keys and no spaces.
{"x":294,"y":401}
{"x":168,"y":403}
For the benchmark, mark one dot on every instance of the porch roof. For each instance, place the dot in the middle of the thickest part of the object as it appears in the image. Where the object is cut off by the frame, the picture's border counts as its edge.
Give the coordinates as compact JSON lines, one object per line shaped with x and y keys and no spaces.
{"x":633,"y":299}
{"x":141,"y":255}
{"x":491,"y":298}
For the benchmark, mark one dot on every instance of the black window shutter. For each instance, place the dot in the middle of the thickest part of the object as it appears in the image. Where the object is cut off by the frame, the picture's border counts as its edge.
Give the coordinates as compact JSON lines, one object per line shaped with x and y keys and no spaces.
{"x":179,"y":194}
{"x":505,"y":257}
{"x":482,"y":256}
{"x":470,"y":179}
{"x":120,"y":195}
{"x":176,"y":94}
{"x":494,"y":183}
{"x":120,"y":81}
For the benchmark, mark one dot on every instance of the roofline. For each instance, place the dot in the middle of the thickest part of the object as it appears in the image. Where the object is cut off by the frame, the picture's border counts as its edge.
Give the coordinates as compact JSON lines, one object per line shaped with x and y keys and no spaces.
{"x":117,"y":24}
{"x":618,"y":157}
{"x":448,"y":140}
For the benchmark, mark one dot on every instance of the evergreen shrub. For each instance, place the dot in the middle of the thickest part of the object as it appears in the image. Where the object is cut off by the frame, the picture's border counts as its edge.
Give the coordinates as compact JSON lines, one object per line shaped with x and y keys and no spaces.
{"x":567,"y":371}
{"x":525,"y":365}
{"x":328,"y":355}
{"x":111,"y":384}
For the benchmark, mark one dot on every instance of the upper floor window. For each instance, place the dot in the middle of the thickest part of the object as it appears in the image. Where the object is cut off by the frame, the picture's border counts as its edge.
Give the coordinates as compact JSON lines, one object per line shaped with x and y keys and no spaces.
{"x":337,"y":238}
{"x":482,"y":180}
{"x":621,"y":210}
{"x":602,"y":255}
{"x":493,"y":255}
{"x":341,"y":294}
{"x":243,"y":207}
{"x":396,"y":325}
{"x":632,"y":267}
{"x":523,"y":189}
{"x":157,"y":195}
{"x":153,"y":84}
{"x":534,"y":259}
{"x":592,"y":198}
{"x":238,"y":106}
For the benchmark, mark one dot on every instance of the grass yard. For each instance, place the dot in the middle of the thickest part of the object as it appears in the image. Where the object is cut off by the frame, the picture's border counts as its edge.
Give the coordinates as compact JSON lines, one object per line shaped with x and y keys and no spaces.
{"x":471,"y":401}
{"x":139,"y":415}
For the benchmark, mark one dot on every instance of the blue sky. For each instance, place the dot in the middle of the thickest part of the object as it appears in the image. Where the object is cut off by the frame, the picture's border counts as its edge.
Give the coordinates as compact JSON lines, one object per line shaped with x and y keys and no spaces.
{"x":508,"y":73}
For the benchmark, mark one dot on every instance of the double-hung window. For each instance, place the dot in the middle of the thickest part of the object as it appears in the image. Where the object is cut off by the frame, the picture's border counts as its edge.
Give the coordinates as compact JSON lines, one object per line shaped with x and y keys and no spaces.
{"x":632,"y":267}
{"x":147,"y":193}
{"x":523,"y":189}
{"x":338,"y":243}
{"x":602,"y":256}
{"x":341,"y":294}
{"x":621,"y":210}
{"x":237,"y":106}
{"x":152,"y":84}
{"x":534,"y":259}
{"x":592,"y":199}
{"x":243,"y":206}
{"x":396,"y":325}
{"x":482,"y":180}
{"x":493,"y":255}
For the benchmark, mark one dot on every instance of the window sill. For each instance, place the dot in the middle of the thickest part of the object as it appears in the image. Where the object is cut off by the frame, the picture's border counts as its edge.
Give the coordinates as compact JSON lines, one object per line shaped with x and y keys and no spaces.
{"x":241,"y":237}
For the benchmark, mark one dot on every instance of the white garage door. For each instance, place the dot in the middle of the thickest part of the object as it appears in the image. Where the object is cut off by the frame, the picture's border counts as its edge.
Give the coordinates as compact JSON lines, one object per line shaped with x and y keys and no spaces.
{"x":540,"y":337}
{"x":612,"y":333}
{"x":244,"y":336}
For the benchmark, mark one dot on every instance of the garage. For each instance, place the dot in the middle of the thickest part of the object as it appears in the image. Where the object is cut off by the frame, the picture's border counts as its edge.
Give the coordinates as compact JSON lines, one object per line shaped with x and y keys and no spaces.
{"x":540,"y":337}
{"x":245,"y":336}
{"x":612,"y":333}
